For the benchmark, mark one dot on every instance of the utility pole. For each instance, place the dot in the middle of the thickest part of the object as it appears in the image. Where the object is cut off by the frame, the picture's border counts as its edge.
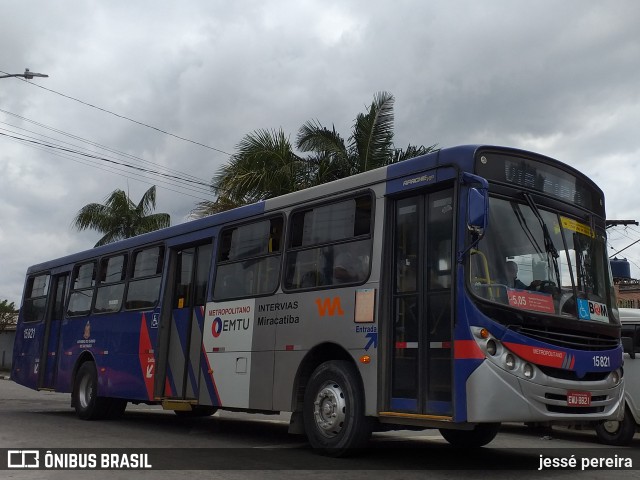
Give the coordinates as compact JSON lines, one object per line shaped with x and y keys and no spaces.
{"x":27,"y":74}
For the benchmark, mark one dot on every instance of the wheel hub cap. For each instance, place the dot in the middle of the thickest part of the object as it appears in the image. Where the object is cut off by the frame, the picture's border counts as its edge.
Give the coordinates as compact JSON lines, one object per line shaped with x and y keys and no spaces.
{"x":329,"y":409}
{"x":611,"y":426}
{"x":85,"y":392}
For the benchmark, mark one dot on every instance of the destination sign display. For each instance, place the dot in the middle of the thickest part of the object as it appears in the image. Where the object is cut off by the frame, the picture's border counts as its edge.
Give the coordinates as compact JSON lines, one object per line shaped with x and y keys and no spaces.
{"x":541,"y":177}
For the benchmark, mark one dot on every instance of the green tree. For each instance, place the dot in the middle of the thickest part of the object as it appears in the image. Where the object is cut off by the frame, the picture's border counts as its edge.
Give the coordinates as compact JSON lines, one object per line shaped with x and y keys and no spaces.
{"x":8,"y":314}
{"x":120,"y":218}
{"x":369,"y":146}
{"x":266,"y":165}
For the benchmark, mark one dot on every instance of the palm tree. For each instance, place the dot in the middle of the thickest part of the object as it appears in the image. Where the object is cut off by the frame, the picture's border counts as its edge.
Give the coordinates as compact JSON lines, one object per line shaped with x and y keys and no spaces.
{"x":369,"y":146}
{"x":266,"y":166}
{"x":120,"y":218}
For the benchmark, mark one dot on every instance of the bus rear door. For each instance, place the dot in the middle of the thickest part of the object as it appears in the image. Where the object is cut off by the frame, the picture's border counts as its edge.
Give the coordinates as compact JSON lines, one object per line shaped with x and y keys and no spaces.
{"x":53,"y":324}
{"x":188,"y":288}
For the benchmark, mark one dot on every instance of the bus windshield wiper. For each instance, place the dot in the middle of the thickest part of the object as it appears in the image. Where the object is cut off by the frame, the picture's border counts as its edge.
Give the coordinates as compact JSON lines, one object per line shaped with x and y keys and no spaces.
{"x":525,"y":228}
{"x":548,"y":242}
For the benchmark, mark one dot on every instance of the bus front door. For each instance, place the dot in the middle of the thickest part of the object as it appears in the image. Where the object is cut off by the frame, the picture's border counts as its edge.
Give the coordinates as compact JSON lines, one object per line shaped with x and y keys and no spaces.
{"x":420,"y":363}
{"x":53,"y":324}
{"x":190,"y":283}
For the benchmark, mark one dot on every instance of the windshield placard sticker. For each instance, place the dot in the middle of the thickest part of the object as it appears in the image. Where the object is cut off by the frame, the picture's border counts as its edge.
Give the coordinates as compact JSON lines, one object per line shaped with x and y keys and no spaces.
{"x":578,"y":227}
{"x":536,"y":302}
{"x":588,"y":310}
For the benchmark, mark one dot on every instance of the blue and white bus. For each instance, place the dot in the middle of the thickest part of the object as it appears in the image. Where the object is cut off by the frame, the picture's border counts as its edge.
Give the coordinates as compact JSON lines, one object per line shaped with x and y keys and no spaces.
{"x":384,"y":299}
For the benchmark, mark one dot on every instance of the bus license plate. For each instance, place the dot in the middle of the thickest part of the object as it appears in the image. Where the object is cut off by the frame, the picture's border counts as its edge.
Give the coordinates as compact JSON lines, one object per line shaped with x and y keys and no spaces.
{"x":579,"y":399}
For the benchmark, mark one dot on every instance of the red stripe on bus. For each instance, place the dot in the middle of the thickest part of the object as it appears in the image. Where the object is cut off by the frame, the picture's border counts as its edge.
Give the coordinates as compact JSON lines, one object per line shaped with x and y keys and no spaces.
{"x":147,"y":361}
{"x":466,"y":350}
{"x":540,"y":356}
{"x":210,"y":371}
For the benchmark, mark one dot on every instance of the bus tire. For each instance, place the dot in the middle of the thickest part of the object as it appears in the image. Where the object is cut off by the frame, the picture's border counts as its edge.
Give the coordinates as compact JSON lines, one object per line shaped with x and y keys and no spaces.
{"x":85,"y":394}
{"x":333,"y":410}
{"x":481,"y":434}
{"x":197,"y":411}
{"x":620,"y":433}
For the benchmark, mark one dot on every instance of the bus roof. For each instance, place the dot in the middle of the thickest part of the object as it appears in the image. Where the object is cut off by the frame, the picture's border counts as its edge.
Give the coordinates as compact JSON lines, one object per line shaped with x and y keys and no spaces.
{"x":460,"y":156}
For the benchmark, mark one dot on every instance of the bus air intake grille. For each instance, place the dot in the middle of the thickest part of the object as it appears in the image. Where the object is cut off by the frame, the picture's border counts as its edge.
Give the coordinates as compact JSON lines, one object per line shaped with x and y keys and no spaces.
{"x":574,"y":410}
{"x":568,"y":339}
{"x":571,"y":375}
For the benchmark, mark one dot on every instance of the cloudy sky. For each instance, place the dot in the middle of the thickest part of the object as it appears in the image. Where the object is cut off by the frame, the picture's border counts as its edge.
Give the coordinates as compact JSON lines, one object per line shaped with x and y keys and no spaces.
{"x":561,"y":78}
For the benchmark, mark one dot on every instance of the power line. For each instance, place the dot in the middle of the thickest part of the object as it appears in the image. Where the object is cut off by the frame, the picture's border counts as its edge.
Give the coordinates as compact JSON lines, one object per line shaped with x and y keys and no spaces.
{"x":95,"y":144}
{"x":97,"y":157}
{"x":126,"y":118}
{"x":200,"y":189}
{"x":116,"y":171}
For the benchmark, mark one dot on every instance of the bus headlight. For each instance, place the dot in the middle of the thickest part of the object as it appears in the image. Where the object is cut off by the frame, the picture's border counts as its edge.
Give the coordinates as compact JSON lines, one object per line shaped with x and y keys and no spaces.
{"x":527,"y":371}
{"x":615,"y":376}
{"x":492,"y":348}
{"x":510,"y":361}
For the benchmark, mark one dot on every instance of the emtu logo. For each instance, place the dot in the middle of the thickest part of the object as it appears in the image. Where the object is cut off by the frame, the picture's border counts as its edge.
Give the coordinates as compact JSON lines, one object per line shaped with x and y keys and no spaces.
{"x":329,"y":306}
{"x":216,"y":327}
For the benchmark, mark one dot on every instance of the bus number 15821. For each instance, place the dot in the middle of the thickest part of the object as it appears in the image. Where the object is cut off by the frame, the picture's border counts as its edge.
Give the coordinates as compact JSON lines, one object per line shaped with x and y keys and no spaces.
{"x":601,"y":361}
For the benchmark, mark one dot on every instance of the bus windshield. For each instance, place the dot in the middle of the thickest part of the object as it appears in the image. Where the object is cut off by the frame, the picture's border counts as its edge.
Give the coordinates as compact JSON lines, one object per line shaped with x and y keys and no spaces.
{"x":536,"y":260}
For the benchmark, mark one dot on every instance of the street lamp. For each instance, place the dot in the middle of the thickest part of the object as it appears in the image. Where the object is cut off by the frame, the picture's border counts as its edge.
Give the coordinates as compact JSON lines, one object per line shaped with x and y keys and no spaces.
{"x":27,"y":74}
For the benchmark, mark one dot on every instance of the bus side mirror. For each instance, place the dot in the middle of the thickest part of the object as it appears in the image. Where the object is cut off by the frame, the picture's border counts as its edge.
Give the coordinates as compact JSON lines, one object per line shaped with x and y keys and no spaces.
{"x":477,"y":211}
{"x":627,"y":346}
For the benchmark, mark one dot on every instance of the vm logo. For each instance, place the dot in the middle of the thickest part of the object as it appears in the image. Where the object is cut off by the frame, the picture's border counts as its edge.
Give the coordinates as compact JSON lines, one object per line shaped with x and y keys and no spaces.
{"x":329,"y":306}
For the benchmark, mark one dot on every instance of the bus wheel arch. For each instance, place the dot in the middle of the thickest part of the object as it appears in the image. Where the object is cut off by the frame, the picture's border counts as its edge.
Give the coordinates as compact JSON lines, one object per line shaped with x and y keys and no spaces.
{"x":313,"y":359}
{"x":85,"y":399}
{"x":333,"y":402}
{"x":83,"y":358}
{"x":619,"y":433}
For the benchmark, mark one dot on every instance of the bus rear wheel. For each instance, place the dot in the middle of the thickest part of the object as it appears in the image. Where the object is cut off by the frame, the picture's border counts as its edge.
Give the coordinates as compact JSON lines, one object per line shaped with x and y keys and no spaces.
{"x":87,"y":404}
{"x":333,"y":413}
{"x":481,"y":434}
{"x":617,"y":433}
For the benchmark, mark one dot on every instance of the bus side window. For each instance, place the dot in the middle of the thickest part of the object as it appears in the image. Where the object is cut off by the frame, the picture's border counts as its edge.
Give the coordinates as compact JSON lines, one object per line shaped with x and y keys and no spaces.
{"x":36,"y":298}
{"x":249,"y":260}
{"x":113,"y":272}
{"x":84,"y":279}
{"x":144,"y":284}
{"x":330,"y":244}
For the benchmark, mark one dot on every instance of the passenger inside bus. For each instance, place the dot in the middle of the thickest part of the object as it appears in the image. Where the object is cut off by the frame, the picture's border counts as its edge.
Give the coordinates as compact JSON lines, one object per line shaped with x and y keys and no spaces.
{"x":346,"y":268}
{"x":511,"y":269}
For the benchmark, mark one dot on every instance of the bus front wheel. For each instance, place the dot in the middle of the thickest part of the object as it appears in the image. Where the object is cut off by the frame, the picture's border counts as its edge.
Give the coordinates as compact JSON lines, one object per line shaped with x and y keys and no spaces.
{"x":85,"y":394}
{"x":617,"y":433}
{"x":481,"y":434}
{"x":334,"y":418}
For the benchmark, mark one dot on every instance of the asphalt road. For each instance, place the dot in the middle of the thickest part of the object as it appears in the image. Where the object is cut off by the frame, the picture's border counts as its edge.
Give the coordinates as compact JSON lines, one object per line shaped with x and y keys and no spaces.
{"x":234,"y":445}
